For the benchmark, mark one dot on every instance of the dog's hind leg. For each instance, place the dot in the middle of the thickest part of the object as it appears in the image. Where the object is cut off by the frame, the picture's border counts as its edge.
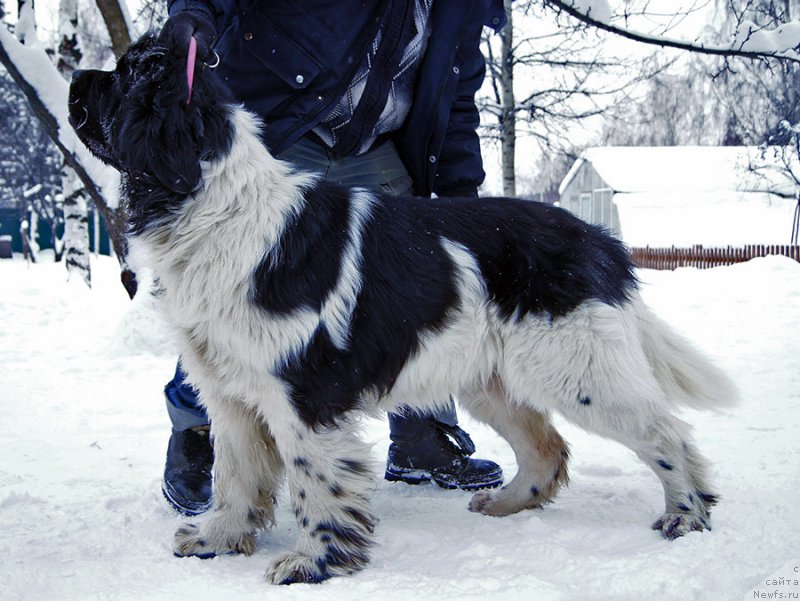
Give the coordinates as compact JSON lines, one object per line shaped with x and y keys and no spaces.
{"x":330,"y":480}
{"x":614,"y":391}
{"x":671,"y":454}
{"x":663,"y":443}
{"x":540,"y":452}
{"x":247,"y":473}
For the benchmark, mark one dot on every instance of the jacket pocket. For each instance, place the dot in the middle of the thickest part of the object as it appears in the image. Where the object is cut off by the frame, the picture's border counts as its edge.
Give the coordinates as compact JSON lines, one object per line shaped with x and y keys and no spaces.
{"x":262,"y":38}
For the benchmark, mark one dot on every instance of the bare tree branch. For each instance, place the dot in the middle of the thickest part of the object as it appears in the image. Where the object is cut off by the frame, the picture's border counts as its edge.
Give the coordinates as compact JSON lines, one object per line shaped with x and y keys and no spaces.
{"x":567,"y":7}
{"x":117,"y":25}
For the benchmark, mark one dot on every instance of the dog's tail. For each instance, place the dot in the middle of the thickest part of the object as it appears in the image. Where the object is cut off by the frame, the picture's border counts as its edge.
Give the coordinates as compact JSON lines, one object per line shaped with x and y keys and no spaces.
{"x":687,"y":376}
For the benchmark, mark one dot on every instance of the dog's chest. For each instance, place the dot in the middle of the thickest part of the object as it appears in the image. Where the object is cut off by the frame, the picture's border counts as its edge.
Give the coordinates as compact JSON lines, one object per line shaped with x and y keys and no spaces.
{"x":210,"y":304}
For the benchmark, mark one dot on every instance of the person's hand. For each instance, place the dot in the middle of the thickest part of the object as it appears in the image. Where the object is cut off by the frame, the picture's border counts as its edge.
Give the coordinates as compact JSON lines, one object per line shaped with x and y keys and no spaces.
{"x":181,"y":27}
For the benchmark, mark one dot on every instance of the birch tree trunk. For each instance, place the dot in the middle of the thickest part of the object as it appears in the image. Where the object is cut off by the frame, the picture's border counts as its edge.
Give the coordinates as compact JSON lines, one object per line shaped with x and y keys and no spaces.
{"x":75,"y":207}
{"x":30,"y":248}
{"x":26,"y":34}
{"x":26,"y":22}
{"x":76,"y":227}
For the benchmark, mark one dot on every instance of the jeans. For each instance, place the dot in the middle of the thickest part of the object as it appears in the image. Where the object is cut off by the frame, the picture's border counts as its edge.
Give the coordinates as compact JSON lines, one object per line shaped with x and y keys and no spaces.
{"x":378,"y":169}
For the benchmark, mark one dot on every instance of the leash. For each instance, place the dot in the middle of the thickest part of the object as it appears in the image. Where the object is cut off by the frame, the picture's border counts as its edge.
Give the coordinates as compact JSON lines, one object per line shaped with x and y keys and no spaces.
{"x":190,"y":62}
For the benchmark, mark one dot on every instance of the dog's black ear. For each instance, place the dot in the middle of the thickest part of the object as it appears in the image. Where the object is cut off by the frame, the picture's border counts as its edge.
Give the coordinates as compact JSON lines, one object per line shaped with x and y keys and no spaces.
{"x":164,"y":135}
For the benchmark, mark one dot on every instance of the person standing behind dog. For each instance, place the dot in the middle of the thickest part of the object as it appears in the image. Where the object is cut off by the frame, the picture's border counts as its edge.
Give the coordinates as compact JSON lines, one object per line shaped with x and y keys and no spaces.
{"x":372,"y":93}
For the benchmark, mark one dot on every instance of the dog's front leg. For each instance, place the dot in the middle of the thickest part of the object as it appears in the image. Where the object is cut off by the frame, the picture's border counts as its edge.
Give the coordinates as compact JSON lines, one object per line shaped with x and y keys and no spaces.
{"x":330,"y":480}
{"x":247,"y":473}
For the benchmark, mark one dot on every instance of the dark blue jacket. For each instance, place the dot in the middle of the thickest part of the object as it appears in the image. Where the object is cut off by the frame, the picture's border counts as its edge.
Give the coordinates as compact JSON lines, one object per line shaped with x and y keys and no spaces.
{"x":290,"y":60}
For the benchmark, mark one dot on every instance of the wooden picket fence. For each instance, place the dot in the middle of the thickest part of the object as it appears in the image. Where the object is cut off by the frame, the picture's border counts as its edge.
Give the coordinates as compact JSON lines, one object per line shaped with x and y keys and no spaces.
{"x":704,"y":258}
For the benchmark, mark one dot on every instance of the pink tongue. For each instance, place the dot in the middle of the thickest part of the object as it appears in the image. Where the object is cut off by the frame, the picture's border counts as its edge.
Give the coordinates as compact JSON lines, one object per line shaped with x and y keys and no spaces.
{"x":190,"y":60}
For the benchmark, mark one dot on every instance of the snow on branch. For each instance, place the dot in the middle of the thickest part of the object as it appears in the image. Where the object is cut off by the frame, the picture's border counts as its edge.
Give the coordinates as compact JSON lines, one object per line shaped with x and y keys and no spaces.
{"x":749,"y":40}
{"x":47,"y":93}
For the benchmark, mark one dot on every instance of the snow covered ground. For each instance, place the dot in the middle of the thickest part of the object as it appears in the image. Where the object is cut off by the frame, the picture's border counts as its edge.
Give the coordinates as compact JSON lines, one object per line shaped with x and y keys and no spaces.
{"x":83,"y":432}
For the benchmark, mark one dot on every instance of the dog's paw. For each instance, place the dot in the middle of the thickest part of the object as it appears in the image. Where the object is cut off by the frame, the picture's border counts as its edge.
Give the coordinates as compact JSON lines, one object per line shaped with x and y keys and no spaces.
{"x":294,"y":567}
{"x":190,"y":541}
{"x":502,"y":502}
{"x":675,"y":525}
{"x":482,"y":502}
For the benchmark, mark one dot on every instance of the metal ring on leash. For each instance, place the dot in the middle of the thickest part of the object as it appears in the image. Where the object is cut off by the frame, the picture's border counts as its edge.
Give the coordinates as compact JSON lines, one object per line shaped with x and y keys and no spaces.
{"x":216,"y":64}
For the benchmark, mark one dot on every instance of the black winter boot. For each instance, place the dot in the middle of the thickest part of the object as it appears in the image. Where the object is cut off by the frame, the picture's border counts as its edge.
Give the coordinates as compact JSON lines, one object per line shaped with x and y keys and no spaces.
{"x":440,"y":452}
{"x":187,"y":475}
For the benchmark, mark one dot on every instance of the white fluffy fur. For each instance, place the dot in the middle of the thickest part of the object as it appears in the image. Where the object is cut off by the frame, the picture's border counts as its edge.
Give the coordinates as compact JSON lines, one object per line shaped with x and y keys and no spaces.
{"x":626,"y":366}
{"x":338,"y":308}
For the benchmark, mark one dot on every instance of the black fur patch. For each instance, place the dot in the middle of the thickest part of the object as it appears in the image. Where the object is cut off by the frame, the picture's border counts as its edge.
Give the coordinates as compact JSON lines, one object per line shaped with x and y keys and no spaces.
{"x":708,"y":498}
{"x":534,"y":258}
{"x":404,"y":294}
{"x":136,"y":119}
{"x":354,"y":466}
{"x":305,"y":266}
{"x":345,"y":535}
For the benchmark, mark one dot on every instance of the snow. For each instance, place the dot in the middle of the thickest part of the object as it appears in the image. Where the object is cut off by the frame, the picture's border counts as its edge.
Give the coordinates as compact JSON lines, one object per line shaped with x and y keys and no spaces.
{"x":596,"y":9}
{"x":686,"y":195}
{"x":753,"y":38}
{"x":691,"y":168}
{"x":85,"y":430}
{"x":718,"y":218}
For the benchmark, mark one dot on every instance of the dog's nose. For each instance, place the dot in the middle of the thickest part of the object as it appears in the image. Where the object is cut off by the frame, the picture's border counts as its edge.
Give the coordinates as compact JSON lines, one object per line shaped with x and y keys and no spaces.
{"x":82,"y":80}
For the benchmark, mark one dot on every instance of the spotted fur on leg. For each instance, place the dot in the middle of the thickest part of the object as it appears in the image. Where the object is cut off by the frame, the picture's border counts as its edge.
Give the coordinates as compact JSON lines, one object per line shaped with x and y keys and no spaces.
{"x":330,"y":483}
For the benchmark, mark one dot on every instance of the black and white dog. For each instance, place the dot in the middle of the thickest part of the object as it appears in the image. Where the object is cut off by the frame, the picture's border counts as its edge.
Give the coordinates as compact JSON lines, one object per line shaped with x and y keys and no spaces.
{"x":300,"y":303}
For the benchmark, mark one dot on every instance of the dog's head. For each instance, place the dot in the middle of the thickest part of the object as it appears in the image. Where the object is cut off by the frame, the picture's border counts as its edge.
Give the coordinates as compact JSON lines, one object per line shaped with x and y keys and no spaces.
{"x":138,"y":117}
